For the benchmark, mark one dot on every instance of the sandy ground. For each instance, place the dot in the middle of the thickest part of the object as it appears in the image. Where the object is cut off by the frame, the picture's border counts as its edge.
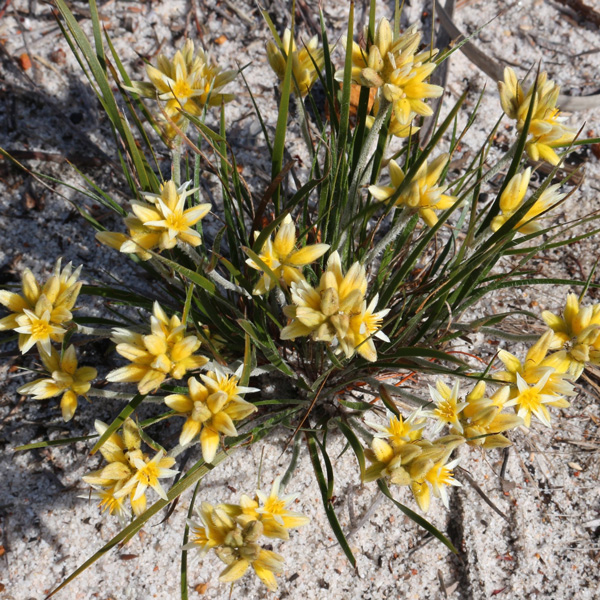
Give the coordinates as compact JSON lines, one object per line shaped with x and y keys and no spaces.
{"x":547,"y":548}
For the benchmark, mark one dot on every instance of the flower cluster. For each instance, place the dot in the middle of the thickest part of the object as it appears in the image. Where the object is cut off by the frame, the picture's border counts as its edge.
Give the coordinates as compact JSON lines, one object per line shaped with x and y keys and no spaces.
{"x":336,"y":311}
{"x":393,"y":65}
{"x":160,"y":222}
{"x":210,"y":409}
{"x":576,"y":337}
{"x":537,"y":381}
{"x":234,"y":530}
{"x":166,"y":351}
{"x":283,"y":259}
{"x":306,"y":62}
{"x":188,"y":82}
{"x":423,"y":194}
{"x":66,"y":378}
{"x":39,"y":314}
{"x":400,"y":453}
{"x":546,"y":127}
{"x":513,"y":198}
{"x":129,"y":473}
{"x":554,"y":362}
{"x":478,"y":418}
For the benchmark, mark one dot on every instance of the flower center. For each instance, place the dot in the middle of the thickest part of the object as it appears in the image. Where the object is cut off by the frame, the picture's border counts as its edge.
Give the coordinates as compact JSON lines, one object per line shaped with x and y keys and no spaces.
{"x":529,"y":399}
{"x":182,"y":90}
{"x":40,"y":329}
{"x":274,"y":506}
{"x":446,"y":411}
{"x":177,"y":222}
{"x":149,"y":474}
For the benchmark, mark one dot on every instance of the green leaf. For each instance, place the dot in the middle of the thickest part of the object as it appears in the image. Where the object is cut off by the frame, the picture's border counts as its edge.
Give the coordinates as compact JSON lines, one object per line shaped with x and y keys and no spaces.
{"x":282,"y":115}
{"x":271,"y":352}
{"x":50,"y":443}
{"x":198,"y":279}
{"x":354,"y":443}
{"x":186,"y":532}
{"x":347,"y":86}
{"x":329,"y":512}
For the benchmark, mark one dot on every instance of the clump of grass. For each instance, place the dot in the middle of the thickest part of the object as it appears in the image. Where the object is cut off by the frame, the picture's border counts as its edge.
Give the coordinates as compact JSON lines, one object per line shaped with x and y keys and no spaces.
{"x":339,"y":282}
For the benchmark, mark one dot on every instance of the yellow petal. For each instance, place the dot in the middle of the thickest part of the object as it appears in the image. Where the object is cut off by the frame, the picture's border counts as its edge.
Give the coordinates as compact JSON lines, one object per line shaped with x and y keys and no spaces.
{"x":383,"y":451}
{"x":150,"y":381}
{"x":13,"y":302}
{"x":209,"y":440}
{"x":511,"y":362}
{"x":30,"y":287}
{"x":189,"y":431}
{"x":128,"y":373}
{"x":179,"y":403}
{"x":285,"y":239}
{"x":307,"y":255}
{"x":422,"y":495}
{"x":68,"y":405}
{"x":155,"y":344}
{"x":234,"y":571}
{"x":222,"y":422}
{"x":69,"y":360}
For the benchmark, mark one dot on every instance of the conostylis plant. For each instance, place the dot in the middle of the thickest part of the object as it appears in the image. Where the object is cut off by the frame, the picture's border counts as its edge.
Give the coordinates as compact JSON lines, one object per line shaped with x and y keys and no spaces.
{"x":342,"y":282}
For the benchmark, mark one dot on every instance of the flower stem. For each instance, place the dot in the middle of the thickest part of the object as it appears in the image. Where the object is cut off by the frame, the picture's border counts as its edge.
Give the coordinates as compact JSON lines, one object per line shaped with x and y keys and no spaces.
{"x":176,"y":162}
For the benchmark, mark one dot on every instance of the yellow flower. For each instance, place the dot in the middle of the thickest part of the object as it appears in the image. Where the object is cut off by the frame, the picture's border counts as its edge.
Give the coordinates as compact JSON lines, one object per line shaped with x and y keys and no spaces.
{"x":66,"y":379}
{"x":38,"y":329}
{"x":393,"y":65}
{"x":418,"y":463}
{"x":282,"y":257}
{"x":187,"y":82}
{"x":390,"y":461}
{"x":166,"y":214}
{"x":303,"y":68}
{"x":217,"y":522}
{"x":546,"y":126}
{"x":147,"y":474}
{"x":272,"y":512}
{"x":537,"y":362}
{"x":423,"y":193}
{"x":482,"y":418}
{"x":531,"y":400}
{"x":166,"y":351}
{"x":396,"y":127}
{"x":515,"y":102}
{"x":235,"y":544}
{"x":512,"y":199}
{"x":447,"y":407}
{"x":108,"y":502}
{"x":438,"y":477}
{"x":139,"y":241}
{"x":364,"y":326}
{"x":211,"y":409}
{"x":336,"y":311}
{"x":129,"y":470}
{"x":576,"y":336}
{"x":37,"y":314}
{"x":400,"y":431}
